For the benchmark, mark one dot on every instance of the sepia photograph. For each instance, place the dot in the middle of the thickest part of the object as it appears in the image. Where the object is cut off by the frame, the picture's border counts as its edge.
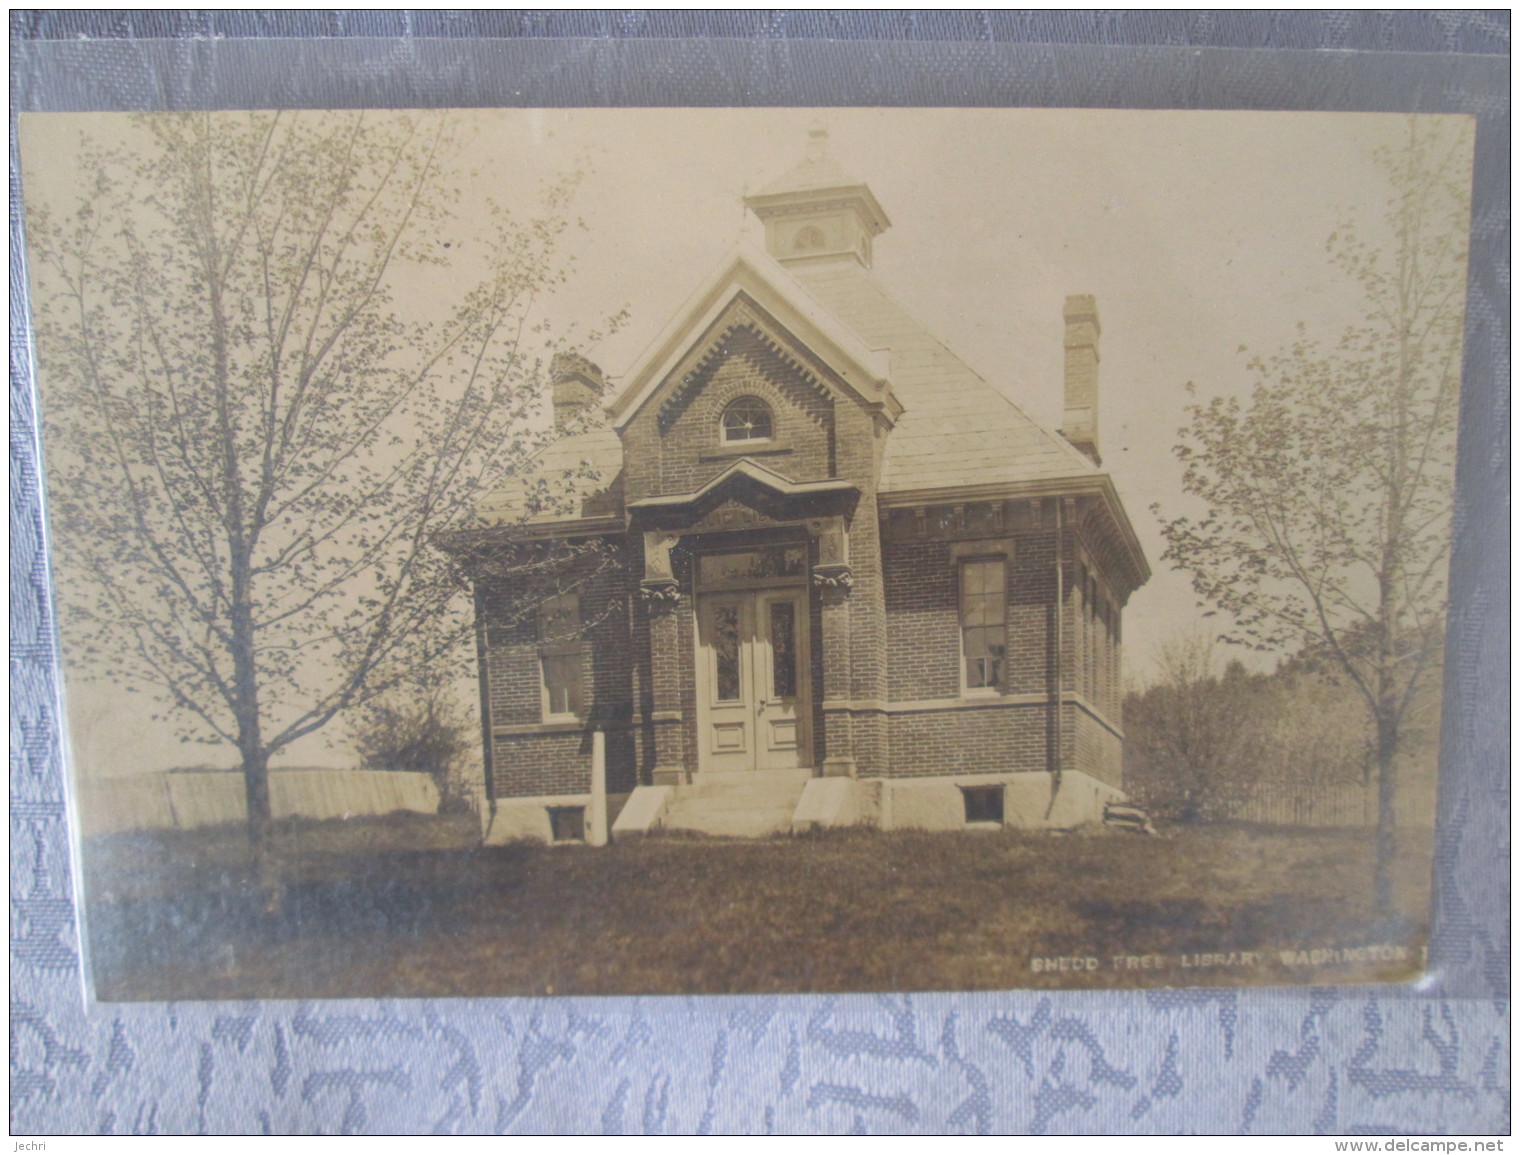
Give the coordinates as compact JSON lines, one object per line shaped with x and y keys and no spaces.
{"x":590,"y":552}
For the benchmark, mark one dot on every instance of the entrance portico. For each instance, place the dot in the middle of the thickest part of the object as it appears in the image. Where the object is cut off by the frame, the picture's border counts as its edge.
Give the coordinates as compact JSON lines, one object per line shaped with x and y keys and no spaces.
{"x":745,"y":585}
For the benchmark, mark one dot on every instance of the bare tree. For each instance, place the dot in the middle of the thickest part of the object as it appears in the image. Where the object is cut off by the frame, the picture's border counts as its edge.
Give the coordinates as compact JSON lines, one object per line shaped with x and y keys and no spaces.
{"x":1329,"y":493}
{"x":258,"y":416}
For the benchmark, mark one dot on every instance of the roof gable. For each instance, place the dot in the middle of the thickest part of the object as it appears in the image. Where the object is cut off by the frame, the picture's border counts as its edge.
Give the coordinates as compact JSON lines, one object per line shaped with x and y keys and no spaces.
{"x":749,"y":289}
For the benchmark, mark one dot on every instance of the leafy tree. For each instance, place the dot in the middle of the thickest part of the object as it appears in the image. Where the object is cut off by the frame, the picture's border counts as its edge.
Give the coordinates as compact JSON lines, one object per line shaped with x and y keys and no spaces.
{"x":1329,"y":493}
{"x":420,"y":731}
{"x":1183,"y":734}
{"x":267,"y":386}
{"x":1200,"y":745}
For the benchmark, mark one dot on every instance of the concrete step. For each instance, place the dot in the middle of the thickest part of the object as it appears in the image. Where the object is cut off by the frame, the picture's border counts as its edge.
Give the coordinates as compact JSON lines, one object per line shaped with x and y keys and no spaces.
{"x":738,"y":805}
{"x":732,"y":823}
{"x":752,"y":783}
{"x":643,"y":812}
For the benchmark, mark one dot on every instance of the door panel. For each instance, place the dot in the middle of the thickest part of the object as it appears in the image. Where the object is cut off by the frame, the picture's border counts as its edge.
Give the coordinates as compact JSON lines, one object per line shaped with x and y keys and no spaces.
{"x":778,"y":645}
{"x":753,"y":658}
{"x":725,"y":624}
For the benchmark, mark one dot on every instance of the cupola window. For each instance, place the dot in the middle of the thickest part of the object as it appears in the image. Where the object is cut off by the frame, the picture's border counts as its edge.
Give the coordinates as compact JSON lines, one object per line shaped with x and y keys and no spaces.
{"x":809,"y":240}
{"x":747,"y":419}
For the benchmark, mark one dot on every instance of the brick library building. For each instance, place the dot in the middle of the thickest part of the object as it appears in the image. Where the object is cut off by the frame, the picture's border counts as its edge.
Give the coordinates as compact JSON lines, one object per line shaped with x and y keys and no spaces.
{"x":806,"y":569}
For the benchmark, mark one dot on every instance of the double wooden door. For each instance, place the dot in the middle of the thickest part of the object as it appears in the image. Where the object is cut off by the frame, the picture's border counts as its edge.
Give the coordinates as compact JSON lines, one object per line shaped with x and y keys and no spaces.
{"x":753,"y":674}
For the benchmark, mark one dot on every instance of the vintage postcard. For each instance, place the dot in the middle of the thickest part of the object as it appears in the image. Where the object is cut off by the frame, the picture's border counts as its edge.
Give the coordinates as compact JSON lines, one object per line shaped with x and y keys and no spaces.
{"x":589,"y":552}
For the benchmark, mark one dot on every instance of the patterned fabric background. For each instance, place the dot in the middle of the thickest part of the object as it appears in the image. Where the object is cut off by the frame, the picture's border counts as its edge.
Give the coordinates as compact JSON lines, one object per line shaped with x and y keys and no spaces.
{"x":1434,"y":1059}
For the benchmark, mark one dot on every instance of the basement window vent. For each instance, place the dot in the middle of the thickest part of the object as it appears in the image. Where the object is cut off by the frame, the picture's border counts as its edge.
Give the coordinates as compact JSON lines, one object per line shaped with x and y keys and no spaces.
{"x":567,"y":823}
{"x":983,"y":804}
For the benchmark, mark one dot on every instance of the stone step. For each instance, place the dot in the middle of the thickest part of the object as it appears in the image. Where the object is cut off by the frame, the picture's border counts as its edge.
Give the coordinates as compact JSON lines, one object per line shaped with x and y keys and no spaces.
{"x":753,"y":783}
{"x":738,"y":805}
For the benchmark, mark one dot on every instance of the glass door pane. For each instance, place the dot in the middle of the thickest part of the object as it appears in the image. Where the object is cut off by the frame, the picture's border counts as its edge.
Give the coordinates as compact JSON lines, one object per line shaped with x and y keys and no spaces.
{"x":726,"y":653}
{"x":783,"y":631}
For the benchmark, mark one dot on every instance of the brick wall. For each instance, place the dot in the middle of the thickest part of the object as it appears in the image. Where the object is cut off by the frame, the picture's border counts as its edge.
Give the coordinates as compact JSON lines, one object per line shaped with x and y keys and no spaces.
{"x":1094,"y":748}
{"x":1001,"y":740}
{"x":675,"y":448}
{"x":556,"y":757}
{"x":923,"y":626}
{"x":922,"y":645}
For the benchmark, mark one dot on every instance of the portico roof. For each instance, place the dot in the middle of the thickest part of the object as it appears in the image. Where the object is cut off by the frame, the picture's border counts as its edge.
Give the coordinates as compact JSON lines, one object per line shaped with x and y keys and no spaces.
{"x":756,"y":473}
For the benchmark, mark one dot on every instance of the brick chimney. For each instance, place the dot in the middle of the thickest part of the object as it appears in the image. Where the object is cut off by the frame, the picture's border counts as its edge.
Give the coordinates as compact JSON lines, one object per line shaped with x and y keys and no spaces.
{"x":578,"y":386}
{"x":1080,"y":424}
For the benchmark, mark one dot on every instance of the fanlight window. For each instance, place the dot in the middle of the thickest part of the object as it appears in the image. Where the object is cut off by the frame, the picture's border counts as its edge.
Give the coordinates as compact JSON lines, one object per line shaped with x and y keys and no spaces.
{"x":747,"y":419}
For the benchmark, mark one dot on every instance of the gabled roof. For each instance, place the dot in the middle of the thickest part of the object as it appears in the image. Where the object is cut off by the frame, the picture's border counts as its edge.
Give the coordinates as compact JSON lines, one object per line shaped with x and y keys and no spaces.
{"x":750,"y":273}
{"x":954,"y":435}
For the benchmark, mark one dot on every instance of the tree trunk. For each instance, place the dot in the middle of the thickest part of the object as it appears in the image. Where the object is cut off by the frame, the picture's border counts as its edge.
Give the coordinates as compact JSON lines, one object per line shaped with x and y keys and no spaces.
{"x":1387,"y":834}
{"x":267,"y":884}
{"x":268,"y":890}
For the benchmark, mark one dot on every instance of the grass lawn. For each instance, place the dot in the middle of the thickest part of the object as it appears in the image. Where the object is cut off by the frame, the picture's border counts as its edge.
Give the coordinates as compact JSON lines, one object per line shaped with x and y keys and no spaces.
{"x":408,"y":907}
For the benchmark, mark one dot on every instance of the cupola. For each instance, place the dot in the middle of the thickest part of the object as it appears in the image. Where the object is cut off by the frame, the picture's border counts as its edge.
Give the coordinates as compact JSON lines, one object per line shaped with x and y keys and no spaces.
{"x":817,"y":212}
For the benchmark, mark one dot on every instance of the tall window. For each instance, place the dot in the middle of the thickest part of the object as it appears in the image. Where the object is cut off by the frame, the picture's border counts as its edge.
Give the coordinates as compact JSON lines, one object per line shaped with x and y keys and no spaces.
{"x":747,"y":419}
{"x":560,"y":651}
{"x":984,"y":622}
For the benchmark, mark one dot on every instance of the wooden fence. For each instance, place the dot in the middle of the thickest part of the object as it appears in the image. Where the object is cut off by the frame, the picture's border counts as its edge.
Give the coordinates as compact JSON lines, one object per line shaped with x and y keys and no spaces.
{"x":181,"y":799}
{"x":1306,"y":804}
{"x":1345,"y":804}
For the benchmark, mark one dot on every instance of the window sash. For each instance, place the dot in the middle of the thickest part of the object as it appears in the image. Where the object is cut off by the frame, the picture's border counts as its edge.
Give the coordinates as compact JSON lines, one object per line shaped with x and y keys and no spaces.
{"x":984,"y":623}
{"x":562,"y":684}
{"x":560,"y":656}
{"x":747,"y":419}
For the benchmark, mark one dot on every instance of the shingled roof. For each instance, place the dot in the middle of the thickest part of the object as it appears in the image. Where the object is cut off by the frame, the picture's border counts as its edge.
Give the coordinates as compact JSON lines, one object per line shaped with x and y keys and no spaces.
{"x":578,"y":476}
{"x":956,"y":429}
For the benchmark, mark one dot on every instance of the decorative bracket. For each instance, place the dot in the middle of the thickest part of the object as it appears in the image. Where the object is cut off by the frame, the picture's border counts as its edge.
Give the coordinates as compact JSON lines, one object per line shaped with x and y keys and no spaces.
{"x":834,"y":578}
{"x":660,"y":593}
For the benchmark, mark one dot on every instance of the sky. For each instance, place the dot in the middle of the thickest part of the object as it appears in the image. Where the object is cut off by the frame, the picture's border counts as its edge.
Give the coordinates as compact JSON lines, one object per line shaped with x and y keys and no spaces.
{"x":1201,"y":235}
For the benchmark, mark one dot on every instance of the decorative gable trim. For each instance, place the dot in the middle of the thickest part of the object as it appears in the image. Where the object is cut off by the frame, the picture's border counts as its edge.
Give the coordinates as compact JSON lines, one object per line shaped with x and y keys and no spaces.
{"x":706,"y":357}
{"x":783,"y":314}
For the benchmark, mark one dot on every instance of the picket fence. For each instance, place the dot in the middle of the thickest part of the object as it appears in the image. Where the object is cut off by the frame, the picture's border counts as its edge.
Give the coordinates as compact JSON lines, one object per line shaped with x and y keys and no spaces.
{"x":1349,"y":804}
{"x":182,"y":799}
{"x":1306,"y":804}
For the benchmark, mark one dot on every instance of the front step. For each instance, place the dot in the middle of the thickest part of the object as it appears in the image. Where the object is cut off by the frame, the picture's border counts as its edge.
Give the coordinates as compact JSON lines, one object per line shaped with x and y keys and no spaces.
{"x":738,"y":805}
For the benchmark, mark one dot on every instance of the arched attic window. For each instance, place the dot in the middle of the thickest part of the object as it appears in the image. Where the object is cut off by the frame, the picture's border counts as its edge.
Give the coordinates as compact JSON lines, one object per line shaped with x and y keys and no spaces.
{"x":746,"y":419}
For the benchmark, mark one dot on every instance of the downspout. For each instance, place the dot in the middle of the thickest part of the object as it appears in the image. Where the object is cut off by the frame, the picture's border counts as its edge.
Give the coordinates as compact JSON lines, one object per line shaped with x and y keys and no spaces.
{"x":1055,"y":691}
{"x":484,"y":679}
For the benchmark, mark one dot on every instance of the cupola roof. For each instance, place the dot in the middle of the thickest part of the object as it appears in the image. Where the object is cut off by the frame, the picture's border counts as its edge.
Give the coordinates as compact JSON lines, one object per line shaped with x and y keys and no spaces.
{"x":815,"y":182}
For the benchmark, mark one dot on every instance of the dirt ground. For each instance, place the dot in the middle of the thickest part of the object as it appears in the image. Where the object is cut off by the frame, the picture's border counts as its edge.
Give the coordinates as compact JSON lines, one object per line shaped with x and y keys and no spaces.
{"x":409,"y":907}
